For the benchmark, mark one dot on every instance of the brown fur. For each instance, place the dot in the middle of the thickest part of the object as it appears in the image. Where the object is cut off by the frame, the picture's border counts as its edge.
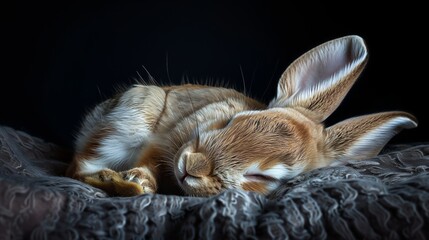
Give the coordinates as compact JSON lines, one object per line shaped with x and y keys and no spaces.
{"x":197,"y":165}
{"x":255,"y":187}
{"x":214,"y":138}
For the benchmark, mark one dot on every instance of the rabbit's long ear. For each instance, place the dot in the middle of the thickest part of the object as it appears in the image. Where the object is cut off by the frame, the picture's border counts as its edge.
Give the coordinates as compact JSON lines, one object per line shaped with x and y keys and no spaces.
{"x":319,"y":80}
{"x":363,"y":137}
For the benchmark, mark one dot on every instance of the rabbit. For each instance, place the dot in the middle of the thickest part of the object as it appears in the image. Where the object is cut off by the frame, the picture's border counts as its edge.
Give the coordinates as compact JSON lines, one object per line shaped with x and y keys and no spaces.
{"x":202,"y":140}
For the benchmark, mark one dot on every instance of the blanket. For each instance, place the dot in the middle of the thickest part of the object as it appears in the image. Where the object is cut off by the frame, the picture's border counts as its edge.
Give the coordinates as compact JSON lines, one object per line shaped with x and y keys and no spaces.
{"x":386,"y":197}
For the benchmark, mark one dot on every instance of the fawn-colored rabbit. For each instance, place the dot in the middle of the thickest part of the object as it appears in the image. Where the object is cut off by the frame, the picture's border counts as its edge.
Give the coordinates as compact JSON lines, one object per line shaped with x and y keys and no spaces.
{"x":205,"y":139}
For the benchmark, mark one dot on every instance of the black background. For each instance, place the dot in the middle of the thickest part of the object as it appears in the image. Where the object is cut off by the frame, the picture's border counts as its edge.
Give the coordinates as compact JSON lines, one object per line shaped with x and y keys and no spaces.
{"x":59,"y":59}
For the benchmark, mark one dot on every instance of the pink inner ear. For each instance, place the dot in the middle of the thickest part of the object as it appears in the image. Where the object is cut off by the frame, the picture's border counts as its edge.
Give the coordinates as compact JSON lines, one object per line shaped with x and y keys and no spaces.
{"x":322,"y":65}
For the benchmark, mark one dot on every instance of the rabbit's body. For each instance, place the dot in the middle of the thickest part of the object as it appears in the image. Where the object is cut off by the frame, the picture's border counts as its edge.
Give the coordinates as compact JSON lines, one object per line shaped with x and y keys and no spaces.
{"x":150,"y":120}
{"x":205,"y":139}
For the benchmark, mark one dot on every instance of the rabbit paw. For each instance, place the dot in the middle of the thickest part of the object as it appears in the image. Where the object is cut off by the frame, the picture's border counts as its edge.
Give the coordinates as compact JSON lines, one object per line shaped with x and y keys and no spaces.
{"x":141,"y":176}
{"x":132,"y":182}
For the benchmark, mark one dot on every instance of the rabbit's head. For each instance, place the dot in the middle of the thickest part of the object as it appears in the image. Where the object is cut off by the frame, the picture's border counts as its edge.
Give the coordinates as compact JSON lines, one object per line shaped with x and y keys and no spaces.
{"x":254,"y":150}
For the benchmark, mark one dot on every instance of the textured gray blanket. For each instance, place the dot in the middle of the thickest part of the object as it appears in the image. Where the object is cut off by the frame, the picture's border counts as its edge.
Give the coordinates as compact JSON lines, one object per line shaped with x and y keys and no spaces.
{"x":382,"y":198}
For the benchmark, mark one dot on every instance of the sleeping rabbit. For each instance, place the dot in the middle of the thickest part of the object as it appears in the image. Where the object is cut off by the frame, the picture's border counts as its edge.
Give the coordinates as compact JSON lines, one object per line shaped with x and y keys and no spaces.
{"x":202,"y":139}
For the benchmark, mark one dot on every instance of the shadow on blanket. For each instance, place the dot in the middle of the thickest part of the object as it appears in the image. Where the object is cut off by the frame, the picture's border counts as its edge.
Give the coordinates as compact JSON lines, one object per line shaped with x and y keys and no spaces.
{"x":381,"y":198}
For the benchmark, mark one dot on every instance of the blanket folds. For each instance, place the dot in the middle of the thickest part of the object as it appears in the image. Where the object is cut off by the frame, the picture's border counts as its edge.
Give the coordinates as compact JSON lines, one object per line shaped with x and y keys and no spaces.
{"x":386,"y":197}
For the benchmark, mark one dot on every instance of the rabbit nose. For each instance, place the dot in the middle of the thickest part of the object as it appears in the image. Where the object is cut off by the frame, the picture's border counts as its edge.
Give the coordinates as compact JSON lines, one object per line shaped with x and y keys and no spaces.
{"x":197,"y":165}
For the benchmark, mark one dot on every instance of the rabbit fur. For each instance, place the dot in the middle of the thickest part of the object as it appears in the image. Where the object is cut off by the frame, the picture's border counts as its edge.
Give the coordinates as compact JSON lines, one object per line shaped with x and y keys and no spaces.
{"x":203,"y":139}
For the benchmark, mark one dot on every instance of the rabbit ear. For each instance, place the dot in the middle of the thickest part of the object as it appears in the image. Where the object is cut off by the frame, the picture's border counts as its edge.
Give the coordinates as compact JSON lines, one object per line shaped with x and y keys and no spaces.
{"x":363,"y":137}
{"x":319,"y":80}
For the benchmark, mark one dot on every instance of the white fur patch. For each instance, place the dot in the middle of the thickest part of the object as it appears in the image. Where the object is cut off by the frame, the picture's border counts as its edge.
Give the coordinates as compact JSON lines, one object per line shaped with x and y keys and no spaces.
{"x":115,"y":152}
{"x":118,"y":150}
{"x":192,"y":182}
{"x":92,"y":166}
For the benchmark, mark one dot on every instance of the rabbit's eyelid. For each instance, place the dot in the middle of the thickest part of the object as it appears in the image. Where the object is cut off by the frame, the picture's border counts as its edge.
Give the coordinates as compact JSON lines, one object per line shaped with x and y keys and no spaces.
{"x":276,"y":172}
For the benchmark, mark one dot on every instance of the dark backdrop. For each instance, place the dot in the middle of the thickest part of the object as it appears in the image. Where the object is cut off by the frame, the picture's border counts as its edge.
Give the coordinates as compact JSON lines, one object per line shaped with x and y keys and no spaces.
{"x":59,"y":59}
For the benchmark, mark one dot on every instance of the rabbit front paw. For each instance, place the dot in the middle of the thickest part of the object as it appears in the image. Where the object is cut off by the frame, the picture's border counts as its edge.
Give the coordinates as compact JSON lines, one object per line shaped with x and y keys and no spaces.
{"x":141,"y":176}
{"x":132,"y":182}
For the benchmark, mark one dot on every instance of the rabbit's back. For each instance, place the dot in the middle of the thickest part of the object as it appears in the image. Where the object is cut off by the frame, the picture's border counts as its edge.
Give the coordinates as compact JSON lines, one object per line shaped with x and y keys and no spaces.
{"x":187,"y":104}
